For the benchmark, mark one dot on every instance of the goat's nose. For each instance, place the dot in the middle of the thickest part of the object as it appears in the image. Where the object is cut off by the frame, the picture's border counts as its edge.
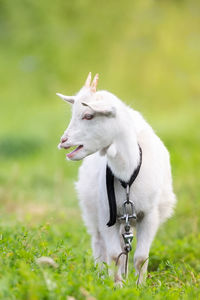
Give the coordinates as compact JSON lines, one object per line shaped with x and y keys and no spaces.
{"x":63,"y":139}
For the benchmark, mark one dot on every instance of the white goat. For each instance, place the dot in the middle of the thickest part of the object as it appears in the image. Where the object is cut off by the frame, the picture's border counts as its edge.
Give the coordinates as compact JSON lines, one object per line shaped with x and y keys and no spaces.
{"x":106,"y":131}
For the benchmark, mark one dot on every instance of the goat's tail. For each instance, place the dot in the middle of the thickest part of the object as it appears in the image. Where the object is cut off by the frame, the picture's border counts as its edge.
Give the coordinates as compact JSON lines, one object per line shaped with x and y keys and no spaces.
{"x":166,"y":206}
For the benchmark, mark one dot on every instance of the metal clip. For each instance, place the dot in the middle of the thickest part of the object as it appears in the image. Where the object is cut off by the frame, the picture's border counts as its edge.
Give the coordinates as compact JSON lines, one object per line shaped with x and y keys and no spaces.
{"x":125,"y":215}
{"x":128,"y":237}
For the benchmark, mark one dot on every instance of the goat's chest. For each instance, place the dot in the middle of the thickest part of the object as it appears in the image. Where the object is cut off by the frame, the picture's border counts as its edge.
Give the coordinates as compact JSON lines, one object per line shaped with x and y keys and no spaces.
{"x":136,"y":196}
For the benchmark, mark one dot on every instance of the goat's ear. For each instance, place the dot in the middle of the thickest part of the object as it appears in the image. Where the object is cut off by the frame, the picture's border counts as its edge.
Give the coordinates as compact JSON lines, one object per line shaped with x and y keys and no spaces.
{"x":101,"y":108}
{"x":69,"y":99}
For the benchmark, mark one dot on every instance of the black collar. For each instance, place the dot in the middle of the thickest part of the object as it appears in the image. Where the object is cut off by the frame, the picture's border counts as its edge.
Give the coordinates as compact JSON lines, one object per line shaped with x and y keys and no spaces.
{"x":111,"y":190}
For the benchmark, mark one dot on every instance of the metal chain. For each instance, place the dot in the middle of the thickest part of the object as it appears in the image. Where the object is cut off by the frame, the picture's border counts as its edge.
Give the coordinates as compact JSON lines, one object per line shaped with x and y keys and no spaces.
{"x":127,"y":235}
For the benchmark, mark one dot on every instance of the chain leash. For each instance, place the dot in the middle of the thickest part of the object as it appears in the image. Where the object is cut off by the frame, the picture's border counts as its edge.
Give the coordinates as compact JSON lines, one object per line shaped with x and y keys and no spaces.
{"x":128,"y":234}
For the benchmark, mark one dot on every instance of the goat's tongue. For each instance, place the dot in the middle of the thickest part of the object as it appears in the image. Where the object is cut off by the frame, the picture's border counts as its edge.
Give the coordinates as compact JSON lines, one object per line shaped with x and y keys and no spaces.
{"x":75,"y":150}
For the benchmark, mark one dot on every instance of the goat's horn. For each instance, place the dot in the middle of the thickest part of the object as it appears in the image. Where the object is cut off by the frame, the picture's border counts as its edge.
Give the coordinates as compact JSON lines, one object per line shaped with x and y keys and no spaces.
{"x":88,"y":80}
{"x":94,"y":83}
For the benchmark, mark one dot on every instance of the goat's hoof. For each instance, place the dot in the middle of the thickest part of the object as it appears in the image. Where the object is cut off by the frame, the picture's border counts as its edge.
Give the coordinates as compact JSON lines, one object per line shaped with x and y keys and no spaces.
{"x":118,"y":284}
{"x":141,"y":280}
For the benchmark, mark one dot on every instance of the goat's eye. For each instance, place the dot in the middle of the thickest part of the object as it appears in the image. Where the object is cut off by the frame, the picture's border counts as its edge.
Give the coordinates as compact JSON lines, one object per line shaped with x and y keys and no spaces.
{"x":88,"y":117}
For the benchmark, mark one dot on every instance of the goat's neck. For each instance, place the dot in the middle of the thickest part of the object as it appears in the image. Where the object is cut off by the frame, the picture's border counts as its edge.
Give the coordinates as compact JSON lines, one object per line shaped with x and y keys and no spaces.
{"x":123,"y":155}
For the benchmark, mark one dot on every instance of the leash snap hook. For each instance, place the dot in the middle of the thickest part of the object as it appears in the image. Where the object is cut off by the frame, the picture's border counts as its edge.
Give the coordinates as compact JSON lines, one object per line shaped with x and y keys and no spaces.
{"x":128,"y":238}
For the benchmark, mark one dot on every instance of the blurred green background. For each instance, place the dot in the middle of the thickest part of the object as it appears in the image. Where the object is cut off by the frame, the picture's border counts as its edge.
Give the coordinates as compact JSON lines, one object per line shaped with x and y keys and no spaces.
{"x":146,"y":52}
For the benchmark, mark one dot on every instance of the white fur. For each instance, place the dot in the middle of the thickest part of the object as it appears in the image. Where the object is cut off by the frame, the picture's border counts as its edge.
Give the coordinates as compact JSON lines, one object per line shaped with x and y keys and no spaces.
{"x":112,"y":138}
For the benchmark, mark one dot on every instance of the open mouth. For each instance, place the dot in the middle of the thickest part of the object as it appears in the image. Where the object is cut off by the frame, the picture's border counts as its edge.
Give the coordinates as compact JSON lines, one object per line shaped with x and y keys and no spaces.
{"x":75,"y":150}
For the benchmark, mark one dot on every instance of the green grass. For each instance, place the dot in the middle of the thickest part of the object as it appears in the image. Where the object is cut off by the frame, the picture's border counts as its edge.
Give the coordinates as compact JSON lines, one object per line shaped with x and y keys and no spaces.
{"x":147,"y":53}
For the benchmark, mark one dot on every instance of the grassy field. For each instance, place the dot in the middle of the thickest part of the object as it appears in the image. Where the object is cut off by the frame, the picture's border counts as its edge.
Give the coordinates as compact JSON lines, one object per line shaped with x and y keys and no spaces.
{"x":148,"y":54}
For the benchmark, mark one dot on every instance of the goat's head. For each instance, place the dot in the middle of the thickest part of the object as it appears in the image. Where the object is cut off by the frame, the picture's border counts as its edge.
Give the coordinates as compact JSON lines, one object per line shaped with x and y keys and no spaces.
{"x":91,"y":126}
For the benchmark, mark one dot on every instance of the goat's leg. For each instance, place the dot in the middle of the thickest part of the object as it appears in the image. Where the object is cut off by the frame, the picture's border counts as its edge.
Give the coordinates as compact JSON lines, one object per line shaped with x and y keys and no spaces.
{"x":114,"y":248}
{"x":98,"y":248}
{"x":146,"y":230}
